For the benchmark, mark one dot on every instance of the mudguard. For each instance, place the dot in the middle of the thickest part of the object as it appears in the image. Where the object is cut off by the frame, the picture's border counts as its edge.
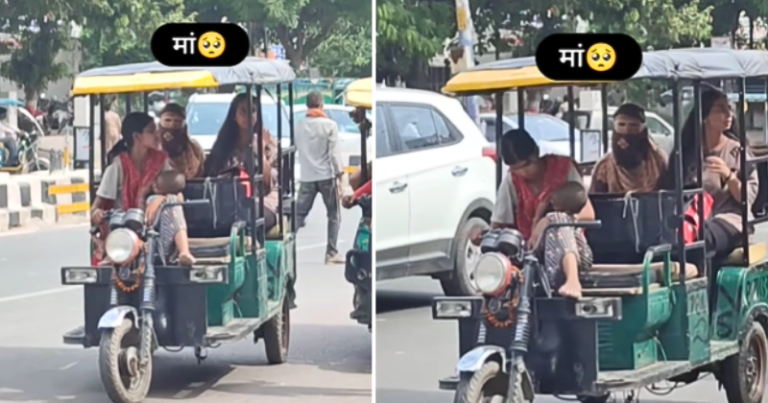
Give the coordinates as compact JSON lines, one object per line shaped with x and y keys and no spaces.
{"x":474,"y":359}
{"x":115,"y":316}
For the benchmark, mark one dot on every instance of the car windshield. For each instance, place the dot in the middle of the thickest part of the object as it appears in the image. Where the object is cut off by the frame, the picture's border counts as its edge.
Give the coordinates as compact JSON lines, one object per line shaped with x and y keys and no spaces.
{"x":206,"y":118}
{"x":545,"y":128}
{"x":340,"y":116}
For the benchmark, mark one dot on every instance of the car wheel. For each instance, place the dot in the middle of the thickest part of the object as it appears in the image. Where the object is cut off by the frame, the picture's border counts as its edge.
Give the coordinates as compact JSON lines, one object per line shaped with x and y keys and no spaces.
{"x":462,"y":280}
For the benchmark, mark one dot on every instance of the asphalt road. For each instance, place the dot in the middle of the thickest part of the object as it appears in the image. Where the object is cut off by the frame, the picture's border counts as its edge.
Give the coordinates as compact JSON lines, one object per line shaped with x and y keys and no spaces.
{"x":329,"y":357}
{"x":413,"y":351}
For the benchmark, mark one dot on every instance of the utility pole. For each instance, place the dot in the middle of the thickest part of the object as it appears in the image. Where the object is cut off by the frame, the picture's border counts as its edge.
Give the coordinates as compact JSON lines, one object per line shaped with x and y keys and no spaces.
{"x":467,"y":45}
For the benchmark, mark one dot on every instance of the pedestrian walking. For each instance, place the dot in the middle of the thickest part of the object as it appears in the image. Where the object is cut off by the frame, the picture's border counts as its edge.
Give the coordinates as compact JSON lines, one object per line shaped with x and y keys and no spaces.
{"x":317,"y":143}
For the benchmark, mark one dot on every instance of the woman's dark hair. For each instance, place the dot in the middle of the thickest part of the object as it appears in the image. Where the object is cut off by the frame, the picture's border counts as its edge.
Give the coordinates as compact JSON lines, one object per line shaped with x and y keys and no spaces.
{"x":175,"y":109}
{"x":134,"y":122}
{"x":709,"y":97}
{"x":631,"y":110}
{"x":226,"y":141}
{"x":517,"y":145}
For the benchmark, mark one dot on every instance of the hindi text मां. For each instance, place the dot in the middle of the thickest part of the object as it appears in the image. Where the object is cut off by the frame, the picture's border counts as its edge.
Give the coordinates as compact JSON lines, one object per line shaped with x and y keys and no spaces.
{"x":185,"y":44}
{"x":572,"y":57}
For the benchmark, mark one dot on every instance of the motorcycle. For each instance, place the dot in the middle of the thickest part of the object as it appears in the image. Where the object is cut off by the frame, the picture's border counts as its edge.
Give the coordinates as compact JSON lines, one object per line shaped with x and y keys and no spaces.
{"x":509,"y":276}
{"x":358,"y":265}
{"x":127,"y":328}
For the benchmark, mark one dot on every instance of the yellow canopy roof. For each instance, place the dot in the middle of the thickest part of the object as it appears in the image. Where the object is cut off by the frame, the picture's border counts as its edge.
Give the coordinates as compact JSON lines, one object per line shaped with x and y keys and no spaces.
{"x":144,"y":82}
{"x":360,"y":93}
{"x":500,"y":80}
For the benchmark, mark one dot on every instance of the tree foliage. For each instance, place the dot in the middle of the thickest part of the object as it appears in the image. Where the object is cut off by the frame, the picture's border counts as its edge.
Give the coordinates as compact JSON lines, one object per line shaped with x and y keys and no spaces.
{"x":300,"y":26}
{"x":409,"y":33}
{"x":119,"y":31}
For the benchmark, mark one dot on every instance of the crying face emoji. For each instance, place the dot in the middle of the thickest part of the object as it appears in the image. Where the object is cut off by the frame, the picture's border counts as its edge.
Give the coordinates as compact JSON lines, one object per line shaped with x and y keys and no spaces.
{"x":211,"y":45}
{"x":601,"y":57}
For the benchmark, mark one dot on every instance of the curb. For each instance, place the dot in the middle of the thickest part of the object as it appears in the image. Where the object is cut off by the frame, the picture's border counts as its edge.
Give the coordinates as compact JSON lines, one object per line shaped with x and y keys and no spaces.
{"x":25,"y":199}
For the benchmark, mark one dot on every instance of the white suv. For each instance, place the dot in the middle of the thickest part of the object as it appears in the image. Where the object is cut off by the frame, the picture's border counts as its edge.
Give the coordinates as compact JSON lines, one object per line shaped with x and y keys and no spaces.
{"x":434,"y":185}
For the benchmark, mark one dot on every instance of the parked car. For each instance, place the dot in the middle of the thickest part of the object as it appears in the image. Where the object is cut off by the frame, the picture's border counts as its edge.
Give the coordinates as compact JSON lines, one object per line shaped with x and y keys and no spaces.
{"x":434,"y":186}
{"x":659,"y":129}
{"x":551,"y":134}
{"x":349,"y":132}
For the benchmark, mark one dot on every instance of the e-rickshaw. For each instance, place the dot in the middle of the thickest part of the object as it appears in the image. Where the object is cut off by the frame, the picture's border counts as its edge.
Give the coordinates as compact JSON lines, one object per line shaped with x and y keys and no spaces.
{"x":359,"y":94}
{"x":242,"y":282}
{"x":638,"y":323}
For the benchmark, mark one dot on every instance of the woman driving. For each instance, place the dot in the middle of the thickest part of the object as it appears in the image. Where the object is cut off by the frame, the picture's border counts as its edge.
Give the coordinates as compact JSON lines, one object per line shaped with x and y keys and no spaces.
{"x":523,"y":202}
{"x":230,"y":151}
{"x":635,"y":162}
{"x":134,"y":164}
{"x":722,"y":230}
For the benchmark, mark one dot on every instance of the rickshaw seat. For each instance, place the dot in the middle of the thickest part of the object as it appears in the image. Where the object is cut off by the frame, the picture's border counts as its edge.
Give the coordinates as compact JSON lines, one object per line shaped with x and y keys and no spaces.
{"x":601,"y":292}
{"x":757,"y":253}
{"x":214,"y":250}
{"x":274,"y":232}
{"x":622,"y":276}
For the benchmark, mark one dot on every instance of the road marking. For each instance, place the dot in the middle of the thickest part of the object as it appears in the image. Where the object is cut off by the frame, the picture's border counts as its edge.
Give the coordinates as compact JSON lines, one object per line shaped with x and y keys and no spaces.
{"x":72,"y":288}
{"x":37,"y":294}
{"x":68,"y":366}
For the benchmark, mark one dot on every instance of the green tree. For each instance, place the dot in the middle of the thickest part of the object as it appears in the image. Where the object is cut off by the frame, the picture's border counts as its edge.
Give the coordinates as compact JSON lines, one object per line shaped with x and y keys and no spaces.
{"x":119,"y":32}
{"x":300,"y":26}
{"x":409,"y":33}
{"x":33,"y":65}
{"x":345,"y":54}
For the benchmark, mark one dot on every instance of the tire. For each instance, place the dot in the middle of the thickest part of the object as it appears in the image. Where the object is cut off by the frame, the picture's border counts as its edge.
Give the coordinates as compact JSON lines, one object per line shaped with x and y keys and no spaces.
{"x":488,"y":385}
{"x":277,"y":335}
{"x":461,"y":282}
{"x":595,"y":399}
{"x":112,"y":367}
{"x":743,"y":375}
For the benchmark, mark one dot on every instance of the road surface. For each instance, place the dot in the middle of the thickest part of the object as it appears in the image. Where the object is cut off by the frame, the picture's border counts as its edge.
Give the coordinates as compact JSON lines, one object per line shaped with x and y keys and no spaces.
{"x":329,"y":358}
{"x":413,"y":351}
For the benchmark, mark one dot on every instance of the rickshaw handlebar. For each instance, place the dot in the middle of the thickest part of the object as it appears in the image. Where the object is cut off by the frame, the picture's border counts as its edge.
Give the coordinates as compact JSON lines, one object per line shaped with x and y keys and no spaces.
{"x":176,"y":204}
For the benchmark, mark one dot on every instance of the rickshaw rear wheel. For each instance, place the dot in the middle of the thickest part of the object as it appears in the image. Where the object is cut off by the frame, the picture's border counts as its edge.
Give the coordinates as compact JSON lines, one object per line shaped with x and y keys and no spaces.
{"x":277,"y":334}
{"x":743,"y":374}
{"x":487,"y":385}
{"x":117,"y":360}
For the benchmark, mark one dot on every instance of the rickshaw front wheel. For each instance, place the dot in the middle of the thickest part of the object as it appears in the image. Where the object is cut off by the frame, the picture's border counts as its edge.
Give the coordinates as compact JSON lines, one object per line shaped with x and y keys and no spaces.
{"x":124,"y":379}
{"x":487,"y":385}
{"x":743,"y":375}
{"x":277,"y":334}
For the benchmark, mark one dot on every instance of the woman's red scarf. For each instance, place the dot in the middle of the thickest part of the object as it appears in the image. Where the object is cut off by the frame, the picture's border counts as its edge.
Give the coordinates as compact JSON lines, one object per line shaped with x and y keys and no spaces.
{"x":556,"y":173}
{"x":135,"y":186}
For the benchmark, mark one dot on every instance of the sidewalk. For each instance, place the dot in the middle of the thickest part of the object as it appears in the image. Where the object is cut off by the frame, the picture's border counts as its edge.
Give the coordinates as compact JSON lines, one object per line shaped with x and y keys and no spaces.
{"x":25,"y":198}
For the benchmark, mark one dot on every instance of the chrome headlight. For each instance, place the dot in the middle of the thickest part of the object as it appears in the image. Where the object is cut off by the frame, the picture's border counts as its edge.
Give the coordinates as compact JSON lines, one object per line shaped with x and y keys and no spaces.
{"x":492,"y":273}
{"x":122,"y":245}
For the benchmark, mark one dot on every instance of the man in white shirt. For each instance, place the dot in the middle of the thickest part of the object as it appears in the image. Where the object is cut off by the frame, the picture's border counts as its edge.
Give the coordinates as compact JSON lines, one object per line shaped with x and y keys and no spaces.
{"x":317,"y":144}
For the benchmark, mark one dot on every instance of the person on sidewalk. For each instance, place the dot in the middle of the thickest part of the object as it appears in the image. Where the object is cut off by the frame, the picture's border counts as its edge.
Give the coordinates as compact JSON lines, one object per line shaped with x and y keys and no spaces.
{"x":317,"y":143}
{"x":112,"y":123}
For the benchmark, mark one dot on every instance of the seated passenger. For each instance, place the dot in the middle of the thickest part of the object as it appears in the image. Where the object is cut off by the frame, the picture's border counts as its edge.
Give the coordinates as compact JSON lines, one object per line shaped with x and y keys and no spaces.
{"x":722,"y":230}
{"x":230,"y":151}
{"x":635,"y":162}
{"x":185,"y":153}
{"x":523,"y":199}
{"x":134,"y":164}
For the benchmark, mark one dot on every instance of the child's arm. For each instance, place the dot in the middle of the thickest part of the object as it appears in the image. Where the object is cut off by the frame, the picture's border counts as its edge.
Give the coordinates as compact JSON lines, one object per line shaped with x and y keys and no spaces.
{"x":180,"y":196}
{"x":364,"y":190}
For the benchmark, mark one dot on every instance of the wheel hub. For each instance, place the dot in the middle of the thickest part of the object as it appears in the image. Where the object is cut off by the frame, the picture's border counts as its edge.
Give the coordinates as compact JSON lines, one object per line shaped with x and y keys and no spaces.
{"x":131,"y":359}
